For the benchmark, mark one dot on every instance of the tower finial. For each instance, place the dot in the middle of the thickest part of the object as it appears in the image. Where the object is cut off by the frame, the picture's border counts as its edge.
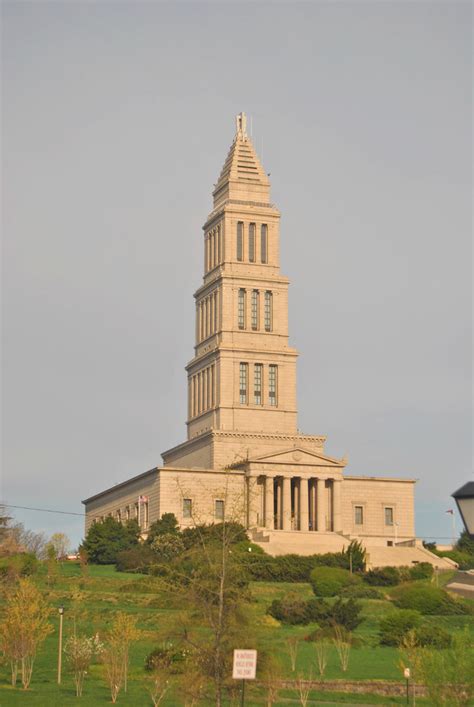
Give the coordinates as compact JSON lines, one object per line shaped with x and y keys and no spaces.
{"x":241,"y":125}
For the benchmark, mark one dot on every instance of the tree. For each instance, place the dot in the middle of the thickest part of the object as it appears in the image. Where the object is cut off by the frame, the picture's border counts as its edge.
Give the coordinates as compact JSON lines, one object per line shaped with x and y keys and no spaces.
{"x":51,"y":564}
{"x":166,"y":525}
{"x":121,"y":635}
{"x":449,"y":674}
{"x":61,"y":544}
{"x":80,"y":651}
{"x":465,"y":543}
{"x":215,"y":593}
{"x":106,"y":539}
{"x":167,"y":546}
{"x":24,"y":627}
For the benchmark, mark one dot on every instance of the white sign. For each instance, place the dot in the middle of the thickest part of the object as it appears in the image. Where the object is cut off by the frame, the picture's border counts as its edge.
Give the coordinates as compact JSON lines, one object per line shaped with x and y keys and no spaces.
{"x":245,"y":665}
{"x":406,"y":673}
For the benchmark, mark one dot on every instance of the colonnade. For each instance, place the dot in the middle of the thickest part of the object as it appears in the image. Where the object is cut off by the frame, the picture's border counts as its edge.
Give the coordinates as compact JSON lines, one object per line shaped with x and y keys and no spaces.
{"x":297,"y":503}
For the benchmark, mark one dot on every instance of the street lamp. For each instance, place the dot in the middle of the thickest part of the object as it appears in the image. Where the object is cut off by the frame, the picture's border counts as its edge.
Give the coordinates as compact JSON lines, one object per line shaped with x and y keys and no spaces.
{"x":60,"y":651}
{"x":464,"y":498}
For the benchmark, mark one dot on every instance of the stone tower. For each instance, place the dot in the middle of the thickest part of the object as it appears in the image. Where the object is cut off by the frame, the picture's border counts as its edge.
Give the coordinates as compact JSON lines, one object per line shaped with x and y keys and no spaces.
{"x":242,"y":378}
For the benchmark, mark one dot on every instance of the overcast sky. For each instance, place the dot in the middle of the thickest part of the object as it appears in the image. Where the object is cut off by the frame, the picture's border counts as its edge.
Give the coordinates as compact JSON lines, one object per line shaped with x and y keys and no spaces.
{"x":117,"y":118}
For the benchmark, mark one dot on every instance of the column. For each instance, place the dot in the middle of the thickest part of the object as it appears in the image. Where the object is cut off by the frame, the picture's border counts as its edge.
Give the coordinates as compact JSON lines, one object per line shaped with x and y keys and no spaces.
{"x":278,"y":504}
{"x":304,"y":504}
{"x":336,"y":505}
{"x":286,"y":503}
{"x":269,"y":503}
{"x":320,"y":506}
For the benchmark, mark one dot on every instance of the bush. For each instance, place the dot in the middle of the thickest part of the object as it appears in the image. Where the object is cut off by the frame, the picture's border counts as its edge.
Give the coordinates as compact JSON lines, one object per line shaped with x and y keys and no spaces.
{"x":166,"y":546}
{"x":295,"y":611}
{"x":422,"y":570}
{"x":291,"y":610}
{"x":168,"y":658}
{"x":382,"y":576}
{"x":166,"y":525}
{"x":464,"y":560}
{"x":137,"y":559}
{"x":106,"y":539}
{"x":395,"y":625}
{"x":346,"y":614}
{"x":361,"y":591}
{"x":428,"y":600}
{"x":329,"y":581}
{"x":194,"y":537}
{"x":433,"y":636}
{"x":21,"y":565}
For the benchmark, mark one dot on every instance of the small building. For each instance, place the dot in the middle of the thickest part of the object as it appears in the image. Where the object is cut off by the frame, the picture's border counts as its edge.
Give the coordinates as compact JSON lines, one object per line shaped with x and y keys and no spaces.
{"x":244,"y":458}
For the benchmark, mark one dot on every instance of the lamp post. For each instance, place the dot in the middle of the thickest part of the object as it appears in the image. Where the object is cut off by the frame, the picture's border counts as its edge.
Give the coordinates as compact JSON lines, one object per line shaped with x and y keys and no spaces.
{"x":60,"y":649}
{"x":464,"y":498}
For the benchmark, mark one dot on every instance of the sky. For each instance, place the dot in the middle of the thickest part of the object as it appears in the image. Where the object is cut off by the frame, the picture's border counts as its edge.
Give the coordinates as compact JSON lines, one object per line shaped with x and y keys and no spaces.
{"x":116,"y":120}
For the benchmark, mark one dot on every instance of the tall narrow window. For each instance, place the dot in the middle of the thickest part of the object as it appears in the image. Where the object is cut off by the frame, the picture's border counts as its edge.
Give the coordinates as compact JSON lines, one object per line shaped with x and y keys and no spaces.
{"x":264,"y":243}
{"x":215,"y":237}
{"x":359,"y":515}
{"x":187,"y":508}
{"x":219,"y":510}
{"x":272,"y":384}
{"x":389,"y":516}
{"x":268,"y":311}
{"x":257,"y":384}
{"x":240,"y":241}
{"x":254,"y":310}
{"x":241,"y":309}
{"x":251,"y":242}
{"x":219,"y":245}
{"x":243,"y":377}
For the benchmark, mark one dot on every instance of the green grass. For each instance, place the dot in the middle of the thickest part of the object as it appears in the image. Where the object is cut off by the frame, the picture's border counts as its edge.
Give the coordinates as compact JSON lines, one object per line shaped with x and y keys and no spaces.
{"x":106,"y":591}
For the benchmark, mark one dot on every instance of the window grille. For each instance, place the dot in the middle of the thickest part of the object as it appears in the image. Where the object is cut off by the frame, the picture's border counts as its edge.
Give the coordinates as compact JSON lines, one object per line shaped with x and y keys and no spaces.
{"x":243,"y":376}
{"x":272,"y":385}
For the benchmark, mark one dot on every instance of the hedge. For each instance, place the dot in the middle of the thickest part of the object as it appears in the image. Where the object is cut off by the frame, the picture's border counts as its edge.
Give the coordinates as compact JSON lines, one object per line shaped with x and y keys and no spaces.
{"x":330,"y":581}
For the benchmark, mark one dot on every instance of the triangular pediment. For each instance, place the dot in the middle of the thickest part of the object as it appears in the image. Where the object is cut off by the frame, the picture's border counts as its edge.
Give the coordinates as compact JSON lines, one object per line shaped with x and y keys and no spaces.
{"x":299,"y":456}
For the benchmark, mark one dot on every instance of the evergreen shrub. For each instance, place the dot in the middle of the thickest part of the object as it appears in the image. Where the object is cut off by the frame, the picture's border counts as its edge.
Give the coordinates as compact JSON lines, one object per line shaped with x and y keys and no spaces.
{"x":383,"y":576}
{"x":429,"y":600}
{"x":330,"y":581}
{"x":394,"y":626}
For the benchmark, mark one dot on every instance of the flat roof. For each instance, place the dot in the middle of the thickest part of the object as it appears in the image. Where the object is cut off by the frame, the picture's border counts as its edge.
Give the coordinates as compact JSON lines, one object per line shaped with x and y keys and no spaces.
{"x":120,"y":485}
{"x":380,"y":478}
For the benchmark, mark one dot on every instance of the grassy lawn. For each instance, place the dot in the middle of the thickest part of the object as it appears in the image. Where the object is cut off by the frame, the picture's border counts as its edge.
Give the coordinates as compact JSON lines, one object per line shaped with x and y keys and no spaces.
{"x":93,"y":602}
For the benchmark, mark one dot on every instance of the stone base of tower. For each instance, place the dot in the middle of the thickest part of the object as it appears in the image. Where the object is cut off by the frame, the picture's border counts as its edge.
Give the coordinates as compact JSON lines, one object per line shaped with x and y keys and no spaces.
{"x":218,"y":449}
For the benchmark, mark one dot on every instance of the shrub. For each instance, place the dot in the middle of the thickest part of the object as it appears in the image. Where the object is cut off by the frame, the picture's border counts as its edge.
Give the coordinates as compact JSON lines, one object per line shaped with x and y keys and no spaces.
{"x":293,"y":610}
{"x":192,"y":537}
{"x":422,"y":570}
{"x":106,"y":539}
{"x":464,"y":560}
{"x":395,"y":625}
{"x":428,"y":599}
{"x":329,"y":581}
{"x":382,"y":576}
{"x":166,"y":546}
{"x":346,"y":614}
{"x":290,"y":610}
{"x":166,"y":525}
{"x":361,"y":591}
{"x":137,"y":559}
{"x":167,"y":657}
{"x":21,"y":565}
{"x":433,"y":636}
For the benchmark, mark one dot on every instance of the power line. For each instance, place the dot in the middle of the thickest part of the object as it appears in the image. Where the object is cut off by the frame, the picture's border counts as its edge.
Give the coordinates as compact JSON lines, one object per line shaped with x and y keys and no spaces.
{"x":43,"y":510}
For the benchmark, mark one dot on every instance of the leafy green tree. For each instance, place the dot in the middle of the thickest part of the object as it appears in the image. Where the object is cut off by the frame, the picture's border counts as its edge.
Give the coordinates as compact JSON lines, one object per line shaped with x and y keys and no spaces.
{"x":167,"y":546}
{"x":106,"y":539}
{"x":465,"y":543}
{"x":166,"y":525}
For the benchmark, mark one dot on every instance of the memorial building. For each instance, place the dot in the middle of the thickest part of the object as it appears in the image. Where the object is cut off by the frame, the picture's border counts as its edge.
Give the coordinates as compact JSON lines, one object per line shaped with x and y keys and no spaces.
{"x":244,"y":458}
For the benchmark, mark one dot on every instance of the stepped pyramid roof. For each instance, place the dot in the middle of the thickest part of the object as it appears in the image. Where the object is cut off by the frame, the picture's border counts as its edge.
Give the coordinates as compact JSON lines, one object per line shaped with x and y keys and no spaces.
{"x":242,"y":176}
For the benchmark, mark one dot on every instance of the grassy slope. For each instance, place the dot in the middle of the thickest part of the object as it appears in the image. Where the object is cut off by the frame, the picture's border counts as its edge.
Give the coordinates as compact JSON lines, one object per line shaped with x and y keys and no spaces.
{"x":107,"y":591}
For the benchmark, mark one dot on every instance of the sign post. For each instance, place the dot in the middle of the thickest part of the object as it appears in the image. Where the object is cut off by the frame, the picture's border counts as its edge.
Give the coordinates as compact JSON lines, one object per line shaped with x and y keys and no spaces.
{"x":244,"y":668}
{"x":406,"y":675}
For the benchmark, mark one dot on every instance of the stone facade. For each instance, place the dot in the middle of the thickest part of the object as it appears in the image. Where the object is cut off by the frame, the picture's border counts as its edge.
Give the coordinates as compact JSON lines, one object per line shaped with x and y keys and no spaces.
{"x":243,"y":456}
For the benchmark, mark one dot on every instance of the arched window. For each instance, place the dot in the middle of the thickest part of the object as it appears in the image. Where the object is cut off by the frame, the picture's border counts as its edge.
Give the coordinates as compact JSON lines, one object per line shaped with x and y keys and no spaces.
{"x":240,"y":241}
{"x":264,"y":243}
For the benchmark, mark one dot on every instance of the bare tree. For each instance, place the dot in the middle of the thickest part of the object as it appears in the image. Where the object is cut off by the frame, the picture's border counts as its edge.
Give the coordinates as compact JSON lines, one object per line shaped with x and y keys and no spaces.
{"x":342,"y":641}
{"x":122,"y":634}
{"x":304,"y":688}
{"x":292,"y":645}
{"x":322,"y":656}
